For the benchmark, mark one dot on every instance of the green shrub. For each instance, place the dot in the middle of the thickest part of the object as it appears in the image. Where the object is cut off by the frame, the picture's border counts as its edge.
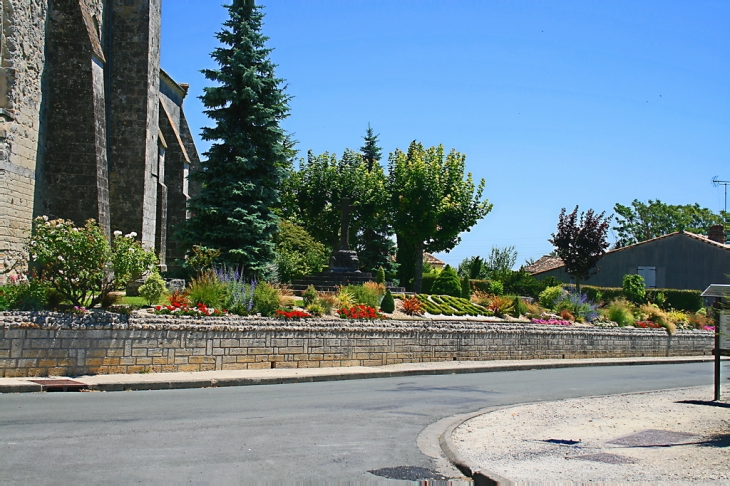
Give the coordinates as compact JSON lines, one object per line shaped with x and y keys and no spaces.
{"x":447,"y":283}
{"x":619,"y":311}
{"x":634,"y":288}
{"x":201,"y":258}
{"x":427,"y":283}
{"x":75,"y":261}
{"x":522,"y":283}
{"x":207,"y":289}
{"x":153,"y":288}
{"x":363,"y":295}
{"x":519,"y":308}
{"x":309,"y":295}
{"x":550,"y":297}
{"x":26,"y":296}
{"x":316,"y":309}
{"x":388,"y":303}
{"x":297,"y":252}
{"x":465,"y":288}
{"x":496,"y":287}
{"x":265,"y":299}
{"x":685,"y":300}
{"x":380,"y":276}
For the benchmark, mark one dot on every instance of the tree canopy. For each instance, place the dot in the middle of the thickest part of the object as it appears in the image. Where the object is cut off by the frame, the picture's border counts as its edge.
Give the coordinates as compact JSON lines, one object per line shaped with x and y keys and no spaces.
{"x":643,"y":221}
{"x":433,"y":201}
{"x":241,"y":178}
{"x":581,"y":242}
{"x":316,"y":192}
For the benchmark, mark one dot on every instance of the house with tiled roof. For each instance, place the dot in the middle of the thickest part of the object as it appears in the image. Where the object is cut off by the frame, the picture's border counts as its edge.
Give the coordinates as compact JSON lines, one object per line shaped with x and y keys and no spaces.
{"x":680,"y":260}
{"x":433,"y":261}
{"x":548,"y":262}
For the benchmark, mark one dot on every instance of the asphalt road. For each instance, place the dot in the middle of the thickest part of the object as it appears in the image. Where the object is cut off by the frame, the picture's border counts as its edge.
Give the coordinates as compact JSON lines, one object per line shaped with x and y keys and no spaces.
{"x":334,"y":431}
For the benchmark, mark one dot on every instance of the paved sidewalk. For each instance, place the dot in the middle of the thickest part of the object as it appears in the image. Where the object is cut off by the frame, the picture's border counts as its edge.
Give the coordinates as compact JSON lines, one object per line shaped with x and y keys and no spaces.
{"x":204,"y":379}
{"x":675,"y":436}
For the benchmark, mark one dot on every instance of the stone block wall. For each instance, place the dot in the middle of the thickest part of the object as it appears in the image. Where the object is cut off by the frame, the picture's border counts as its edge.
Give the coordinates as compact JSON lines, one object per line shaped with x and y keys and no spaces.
{"x":22,"y":57}
{"x":55,"y":344}
{"x":134,"y":56}
{"x":74,"y":174}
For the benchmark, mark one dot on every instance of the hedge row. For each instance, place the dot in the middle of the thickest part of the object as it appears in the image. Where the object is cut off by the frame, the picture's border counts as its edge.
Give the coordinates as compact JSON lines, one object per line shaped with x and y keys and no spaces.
{"x":684,"y":300}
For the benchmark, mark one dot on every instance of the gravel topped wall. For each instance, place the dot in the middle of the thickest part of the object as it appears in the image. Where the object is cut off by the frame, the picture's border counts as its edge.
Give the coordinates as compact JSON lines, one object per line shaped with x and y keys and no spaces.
{"x":46,"y":344}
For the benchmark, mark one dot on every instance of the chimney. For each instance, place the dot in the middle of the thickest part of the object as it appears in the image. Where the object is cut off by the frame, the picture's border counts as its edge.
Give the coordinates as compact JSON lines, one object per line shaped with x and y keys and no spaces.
{"x":717,"y":233}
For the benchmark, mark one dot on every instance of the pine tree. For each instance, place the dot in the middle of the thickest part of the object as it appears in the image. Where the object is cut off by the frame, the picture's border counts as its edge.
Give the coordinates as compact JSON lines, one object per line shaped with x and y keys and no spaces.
{"x":376,"y":246}
{"x":371,"y":152}
{"x":241,"y":178}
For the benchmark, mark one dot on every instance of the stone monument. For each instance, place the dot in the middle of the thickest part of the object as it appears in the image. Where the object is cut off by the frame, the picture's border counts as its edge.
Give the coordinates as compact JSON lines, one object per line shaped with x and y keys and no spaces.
{"x":344,"y":260}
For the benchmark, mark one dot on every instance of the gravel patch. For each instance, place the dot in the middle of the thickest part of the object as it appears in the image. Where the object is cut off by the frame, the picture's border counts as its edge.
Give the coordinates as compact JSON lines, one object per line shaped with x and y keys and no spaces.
{"x":667,"y":437}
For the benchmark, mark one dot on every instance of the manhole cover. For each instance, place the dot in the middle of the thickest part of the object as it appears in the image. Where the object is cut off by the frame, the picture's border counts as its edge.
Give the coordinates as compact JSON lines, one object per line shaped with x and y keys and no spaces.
{"x":605,"y":458}
{"x":60,"y":385}
{"x":407,"y":473}
{"x":653,"y":438}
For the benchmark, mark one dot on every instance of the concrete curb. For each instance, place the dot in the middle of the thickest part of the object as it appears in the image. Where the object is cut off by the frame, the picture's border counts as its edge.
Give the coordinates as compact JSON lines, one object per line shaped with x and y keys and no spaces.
{"x":167,"y":381}
{"x":480,"y":476}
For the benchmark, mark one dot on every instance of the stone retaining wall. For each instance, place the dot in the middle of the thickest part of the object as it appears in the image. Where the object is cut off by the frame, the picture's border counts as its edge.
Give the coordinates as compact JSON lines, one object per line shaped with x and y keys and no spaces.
{"x":48,"y":344}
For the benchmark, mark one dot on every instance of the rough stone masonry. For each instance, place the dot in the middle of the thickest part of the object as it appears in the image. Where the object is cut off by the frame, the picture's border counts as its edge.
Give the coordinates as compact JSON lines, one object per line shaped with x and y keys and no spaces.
{"x":90,"y":126}
{"x":48,"y":344}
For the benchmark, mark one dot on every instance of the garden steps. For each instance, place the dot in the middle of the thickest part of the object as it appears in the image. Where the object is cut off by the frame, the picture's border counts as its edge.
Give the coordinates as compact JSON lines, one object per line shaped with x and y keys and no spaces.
{"x":331,"y":281}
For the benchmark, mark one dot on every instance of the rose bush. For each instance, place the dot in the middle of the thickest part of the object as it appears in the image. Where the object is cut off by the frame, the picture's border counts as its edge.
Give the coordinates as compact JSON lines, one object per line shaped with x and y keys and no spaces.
{"x":79,"y":262}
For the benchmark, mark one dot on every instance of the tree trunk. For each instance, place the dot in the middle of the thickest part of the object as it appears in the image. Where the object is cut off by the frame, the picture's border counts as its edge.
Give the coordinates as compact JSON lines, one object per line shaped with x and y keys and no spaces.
{"x":418,"y":276}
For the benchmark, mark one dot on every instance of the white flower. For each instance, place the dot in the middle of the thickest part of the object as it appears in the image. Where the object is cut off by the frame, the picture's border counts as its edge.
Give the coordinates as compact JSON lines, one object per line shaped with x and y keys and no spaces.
{"x":133,"y":234}
{"x":45,"y":218}
{"x":117,"y":233}
{"x":60,"y":258}
{"x":61,"y":272}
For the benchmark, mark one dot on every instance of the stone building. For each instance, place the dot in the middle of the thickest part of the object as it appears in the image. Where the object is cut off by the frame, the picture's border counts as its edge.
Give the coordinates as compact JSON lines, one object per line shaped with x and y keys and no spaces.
{"x":90,"y":126}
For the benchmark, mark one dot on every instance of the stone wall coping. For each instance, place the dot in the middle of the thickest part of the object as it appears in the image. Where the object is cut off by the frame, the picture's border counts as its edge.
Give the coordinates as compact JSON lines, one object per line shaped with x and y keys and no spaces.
{"x":150,"y":322}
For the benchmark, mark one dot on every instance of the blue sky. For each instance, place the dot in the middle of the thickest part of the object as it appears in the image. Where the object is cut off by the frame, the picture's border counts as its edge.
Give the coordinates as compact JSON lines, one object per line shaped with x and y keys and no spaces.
{"x":554,"y":103}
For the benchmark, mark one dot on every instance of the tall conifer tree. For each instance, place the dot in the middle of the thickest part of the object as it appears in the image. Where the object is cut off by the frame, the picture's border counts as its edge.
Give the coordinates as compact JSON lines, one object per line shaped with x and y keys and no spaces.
{"x":371,"y":152}
{"x":241,"y":178}
{"x":375,"y":246}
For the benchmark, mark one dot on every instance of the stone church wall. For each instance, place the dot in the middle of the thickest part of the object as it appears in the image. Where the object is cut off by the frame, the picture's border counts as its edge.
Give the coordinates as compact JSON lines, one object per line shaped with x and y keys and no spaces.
{"x":134,"y":151}
{"x":23,"y":56}
{"x":74,"y":174}
{"x":84,"y":128}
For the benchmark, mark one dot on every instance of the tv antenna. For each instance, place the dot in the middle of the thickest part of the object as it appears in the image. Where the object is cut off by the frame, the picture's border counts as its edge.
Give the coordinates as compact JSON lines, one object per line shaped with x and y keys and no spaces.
{"x":717,"y":182}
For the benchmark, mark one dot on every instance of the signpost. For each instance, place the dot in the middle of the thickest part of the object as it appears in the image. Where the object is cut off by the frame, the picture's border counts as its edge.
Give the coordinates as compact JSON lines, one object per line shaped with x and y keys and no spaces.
{"x":722,"y":346}
{"x":722,"y":332}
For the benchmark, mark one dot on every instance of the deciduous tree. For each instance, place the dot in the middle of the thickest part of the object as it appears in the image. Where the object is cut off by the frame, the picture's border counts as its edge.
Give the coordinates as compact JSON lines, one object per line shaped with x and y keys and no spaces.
{"x":642,"y":221}
{"x":433,"y":201}
{"x":581,"y":242}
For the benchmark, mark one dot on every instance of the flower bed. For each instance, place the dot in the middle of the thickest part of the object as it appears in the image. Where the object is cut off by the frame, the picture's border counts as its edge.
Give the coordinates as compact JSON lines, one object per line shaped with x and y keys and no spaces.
{"x":179,"y":309}
{"x":360,"y":312}
{"x":552,"y":322}
{"x":295,"y":314}
{"x":647,"y":325}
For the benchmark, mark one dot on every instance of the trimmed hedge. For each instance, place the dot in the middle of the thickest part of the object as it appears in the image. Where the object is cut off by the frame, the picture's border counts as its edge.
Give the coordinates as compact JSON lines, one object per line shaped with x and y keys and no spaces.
{"x":427,"y":283}
{"x":683,"y":300}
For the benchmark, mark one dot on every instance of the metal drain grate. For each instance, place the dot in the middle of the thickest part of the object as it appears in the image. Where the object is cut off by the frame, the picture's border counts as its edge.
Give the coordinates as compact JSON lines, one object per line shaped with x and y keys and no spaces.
{"x":654,"y":438}
{"x":605,"y":458}
{"x":60,"y":385}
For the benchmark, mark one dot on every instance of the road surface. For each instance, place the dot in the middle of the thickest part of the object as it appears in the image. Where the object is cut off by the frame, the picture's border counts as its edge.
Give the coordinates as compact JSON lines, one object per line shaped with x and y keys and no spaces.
{"x":335,"y":431}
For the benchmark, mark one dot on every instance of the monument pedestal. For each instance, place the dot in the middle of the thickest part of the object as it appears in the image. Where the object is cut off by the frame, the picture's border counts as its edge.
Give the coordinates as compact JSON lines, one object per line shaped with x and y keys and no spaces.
{"x":344,"y":261}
